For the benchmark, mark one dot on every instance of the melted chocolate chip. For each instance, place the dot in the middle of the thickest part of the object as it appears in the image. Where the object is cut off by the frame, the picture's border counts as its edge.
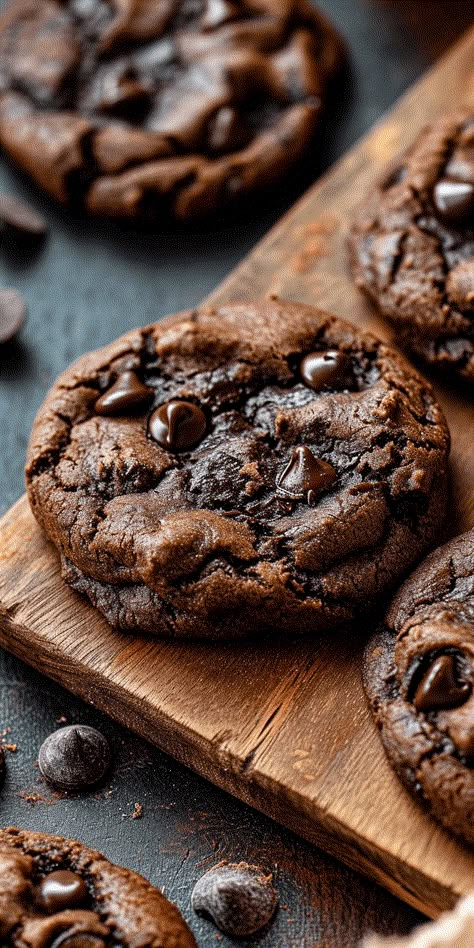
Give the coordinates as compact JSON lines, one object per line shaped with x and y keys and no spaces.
{"x":239,"y":899}
{"x":78,"y":940}
{"x":305,"y":475}
{"x":13,"y":312}
{"x":227,"y":131}
{"x":441,"y":687}
{"x":74,"y":757}
{"x":125,"y":395}
{"x":177,"y":426}
{"x":61,"y":890}
{"x":20,"y":220}
{"x":454,"y":200}
{"x":330,"y":369}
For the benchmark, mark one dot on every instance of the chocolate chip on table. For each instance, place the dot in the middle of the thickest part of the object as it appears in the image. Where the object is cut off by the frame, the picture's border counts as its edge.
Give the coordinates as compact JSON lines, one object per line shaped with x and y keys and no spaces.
{"x":20,"y":220}
{"x":238,"y":898}
{"x":454,"y":200}
{"x":177,"y":425}
{"x":124,"y":396}
{"x":441,"y":686}
{"x":78,"y":940}
{"x":75,"y":757}
{"x":2,"y":764}
{"x":329,"y":369}
{"x":61,"y":890}
{"x":305,"y":475}
{"x":13,"y":312}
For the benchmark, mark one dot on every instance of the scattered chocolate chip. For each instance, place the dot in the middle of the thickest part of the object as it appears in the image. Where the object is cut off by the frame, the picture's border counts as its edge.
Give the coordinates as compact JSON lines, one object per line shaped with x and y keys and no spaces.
{"x":124,"y":396}
{"x":78,"y":940}
{"x":330,"y":369}
{"x":441,"y":687}
{"x":454,"y":200}
{"x":13,"y":312}
{"x":61,"y":890}
{"x":238,"y":898}
{"x":2,"y":764}
{"x":177,"y":426}
{"x":19,"y":220}
{"x":305,"y":475}
{"x":74,"y":757}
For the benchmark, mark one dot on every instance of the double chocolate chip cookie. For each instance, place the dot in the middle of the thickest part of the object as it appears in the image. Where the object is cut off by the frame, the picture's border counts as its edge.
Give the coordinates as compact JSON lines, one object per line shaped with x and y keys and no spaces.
{"x":413,"y":246}
{"x":146,"y":109}
{"x":55,"y":893}
{"x":419,"y":677}
{"x":229,"y":472}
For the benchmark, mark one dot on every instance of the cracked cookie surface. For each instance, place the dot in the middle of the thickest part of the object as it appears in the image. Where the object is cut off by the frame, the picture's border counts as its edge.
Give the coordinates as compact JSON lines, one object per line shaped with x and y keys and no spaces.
{"x":239,"y":471}
{"x":55,"y":892}
{"x":419,"y":678}
{"x":132,"y":108}
{"x":412,"y":246}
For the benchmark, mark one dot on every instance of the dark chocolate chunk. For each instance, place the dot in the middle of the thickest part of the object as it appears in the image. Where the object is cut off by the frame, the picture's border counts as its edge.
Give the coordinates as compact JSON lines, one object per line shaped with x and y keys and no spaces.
{"x":61,"y":890}
{"x":13,"y":312}
{"x":454,"y":200}
{"x":78,"y":940}
{"x":441,"y":687}
{"x":228,"y":131}
{"x":305,"y":475}
{"x":238,"y":898}
{"x":75,"y":757}
{"x":124,"y":396}
{"x":177,"y":425}
{"x":20,"y":220}
{"x":329,"y":369}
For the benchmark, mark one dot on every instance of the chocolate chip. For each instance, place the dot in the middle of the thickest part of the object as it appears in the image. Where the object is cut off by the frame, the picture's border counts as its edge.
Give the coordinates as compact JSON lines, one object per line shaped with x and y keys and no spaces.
{"x":20,"y":220}
{"x":227,"y":131}
{"x":454,"y":200}
{"x":124,"y":396}
{"x":330,"y":369}
{"x":177,"y":426}
{"x":239,"y":899}
{"x":61,"y":890}
{"x":13,"y":311}
{"x":78,"y":940}
{"x":441,"y":687}
{"x":74,"y":757}
{"x":305,"y":475}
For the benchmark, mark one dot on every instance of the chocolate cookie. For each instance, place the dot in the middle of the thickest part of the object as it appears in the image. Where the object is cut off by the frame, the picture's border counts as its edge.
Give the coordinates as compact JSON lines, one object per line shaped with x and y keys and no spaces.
{"x":230,"y":471}
{"x":413,"y":246}
{"x":419,"y":678}
{"x":56,"y":892}
{"x":155,"y":108}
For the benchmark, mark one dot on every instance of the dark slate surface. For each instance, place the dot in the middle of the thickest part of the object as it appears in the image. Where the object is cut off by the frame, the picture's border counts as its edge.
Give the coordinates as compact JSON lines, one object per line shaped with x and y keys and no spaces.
{"x":89,"y":283}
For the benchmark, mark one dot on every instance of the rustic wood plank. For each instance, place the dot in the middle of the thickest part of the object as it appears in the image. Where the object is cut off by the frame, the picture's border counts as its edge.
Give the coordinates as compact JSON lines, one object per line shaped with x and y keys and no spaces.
{"x":286,"y":730}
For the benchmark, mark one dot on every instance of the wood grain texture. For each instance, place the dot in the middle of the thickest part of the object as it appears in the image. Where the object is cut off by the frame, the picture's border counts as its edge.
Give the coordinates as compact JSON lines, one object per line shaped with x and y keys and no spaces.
{"x":286,"y":730}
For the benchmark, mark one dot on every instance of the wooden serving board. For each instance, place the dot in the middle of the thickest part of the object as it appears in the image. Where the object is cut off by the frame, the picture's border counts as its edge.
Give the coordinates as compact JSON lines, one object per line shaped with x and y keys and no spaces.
{"x":284,"y":728}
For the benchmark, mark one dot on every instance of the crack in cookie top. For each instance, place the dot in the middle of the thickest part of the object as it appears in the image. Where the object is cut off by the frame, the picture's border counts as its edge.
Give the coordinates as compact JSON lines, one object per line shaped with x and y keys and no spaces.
{"x":56,"y":893}
{"x":231,"y":471}
{"x":420,"y":681}
{"x":139,"y":108}
{"x":413,"y":245}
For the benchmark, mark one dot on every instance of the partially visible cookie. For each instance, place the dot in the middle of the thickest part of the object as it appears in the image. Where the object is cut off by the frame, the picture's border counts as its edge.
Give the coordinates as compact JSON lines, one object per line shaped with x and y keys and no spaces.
{"x":412,"y":246}
{"x":229,"y":471}
{"x":161,"y":107}
{"x":419,"y":678}
{"x":56,"y":892}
